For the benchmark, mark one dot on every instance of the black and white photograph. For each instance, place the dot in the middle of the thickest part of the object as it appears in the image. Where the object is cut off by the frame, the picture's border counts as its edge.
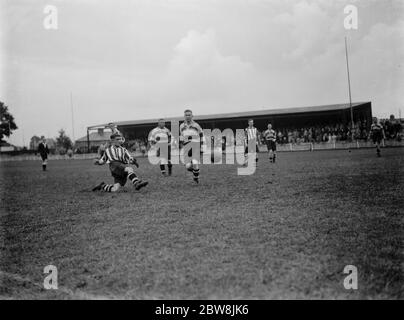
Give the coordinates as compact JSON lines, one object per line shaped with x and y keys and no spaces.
{"x":201,"y":150}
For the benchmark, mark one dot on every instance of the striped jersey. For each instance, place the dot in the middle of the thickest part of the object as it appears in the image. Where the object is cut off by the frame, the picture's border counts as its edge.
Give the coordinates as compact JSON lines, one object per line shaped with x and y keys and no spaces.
{"x":160,"y":134}
{"x":376,"y":128}
{"x":270,"y":135}
{"x":191,"y":132}
{"x":251,"y":134}
{"x":116,"y":153}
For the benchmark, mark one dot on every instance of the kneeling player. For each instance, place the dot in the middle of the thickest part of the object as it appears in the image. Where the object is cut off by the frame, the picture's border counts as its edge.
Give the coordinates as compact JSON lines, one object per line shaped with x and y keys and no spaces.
{"x":377,"y":135}
{"x":119,"y":159}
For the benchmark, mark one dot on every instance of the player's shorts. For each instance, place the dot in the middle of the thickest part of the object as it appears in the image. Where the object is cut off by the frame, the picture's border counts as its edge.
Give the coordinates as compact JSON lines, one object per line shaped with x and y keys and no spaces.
{"x":256,"y":149}
{"x":377,"y":138}
{"x":271,"y":145}
{"x":44,"y":156}
{"x":164,"y":157}
{"x":190,"y":154}
{"x":118,"y":172}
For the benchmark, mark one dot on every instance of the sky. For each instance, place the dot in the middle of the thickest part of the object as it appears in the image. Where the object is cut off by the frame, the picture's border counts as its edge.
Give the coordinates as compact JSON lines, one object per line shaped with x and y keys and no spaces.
{"x":132,"y":60}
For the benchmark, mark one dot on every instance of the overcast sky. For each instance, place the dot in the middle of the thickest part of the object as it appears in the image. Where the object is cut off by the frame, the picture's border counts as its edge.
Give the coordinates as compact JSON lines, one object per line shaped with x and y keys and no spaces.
{"x":127,"y":60}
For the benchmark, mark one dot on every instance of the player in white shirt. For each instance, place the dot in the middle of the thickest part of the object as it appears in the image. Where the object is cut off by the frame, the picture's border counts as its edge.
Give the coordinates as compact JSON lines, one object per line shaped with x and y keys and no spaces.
{"x":251,"y":136}
{"x":270,"y":139}
{"x":191,"y":132}
{"x":377,"y":134}
{"x":162,"y":135}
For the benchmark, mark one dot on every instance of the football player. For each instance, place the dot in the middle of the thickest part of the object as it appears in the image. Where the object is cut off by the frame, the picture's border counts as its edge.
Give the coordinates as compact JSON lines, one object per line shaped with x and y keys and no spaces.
{"x":162,"y":135}
{"x":119,"y":160}
{"x":43,"y":152}
{"x":191,"y":132}
{"x":251,"y":138}
{"x":270,"y":139}
{"x":377,"y":134}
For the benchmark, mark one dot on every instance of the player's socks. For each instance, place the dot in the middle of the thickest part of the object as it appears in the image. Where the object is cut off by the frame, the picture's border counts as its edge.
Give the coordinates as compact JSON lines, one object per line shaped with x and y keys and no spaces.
{"x":107,"y":187}
{"x":196,"y":175}
{"x":163,"y":169}
{"x":133,"y":178}
{"x":170,"y":169}
{"x":44,"y":167}
{"x":138,"y":184}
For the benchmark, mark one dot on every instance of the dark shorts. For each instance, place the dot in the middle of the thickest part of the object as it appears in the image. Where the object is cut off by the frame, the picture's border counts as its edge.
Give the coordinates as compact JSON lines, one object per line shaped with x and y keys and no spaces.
{"x":118,"y":172}
{"x":377,"y":138}
{"x":44,"y":156}
{"x":256,"y":149}
{"x":271,"y":145}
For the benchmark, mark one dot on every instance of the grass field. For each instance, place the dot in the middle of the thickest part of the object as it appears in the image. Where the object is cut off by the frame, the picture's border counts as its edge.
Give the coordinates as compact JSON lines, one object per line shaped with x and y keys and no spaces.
{"x":286,"y":232}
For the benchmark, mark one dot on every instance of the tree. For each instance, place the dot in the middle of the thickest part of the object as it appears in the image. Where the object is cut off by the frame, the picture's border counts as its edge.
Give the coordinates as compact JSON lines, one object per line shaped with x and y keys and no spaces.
{"x":7,"y":124}
{"x":63,"y":141}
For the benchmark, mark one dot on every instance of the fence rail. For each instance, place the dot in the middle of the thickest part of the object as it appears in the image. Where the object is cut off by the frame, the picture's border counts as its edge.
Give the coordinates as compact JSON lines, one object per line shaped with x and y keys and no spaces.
{"x":289,"y":147}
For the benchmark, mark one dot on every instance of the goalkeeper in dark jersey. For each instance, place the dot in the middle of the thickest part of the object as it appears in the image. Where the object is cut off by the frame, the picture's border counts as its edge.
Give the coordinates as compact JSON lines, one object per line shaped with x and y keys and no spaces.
{"x":377,"y":135}
{"x":119,"y":160}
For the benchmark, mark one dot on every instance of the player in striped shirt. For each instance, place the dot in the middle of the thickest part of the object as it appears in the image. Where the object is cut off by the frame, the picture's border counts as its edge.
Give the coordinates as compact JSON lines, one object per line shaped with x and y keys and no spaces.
{"x":119,"y":160}
{"x":377,"y":135}
{"x":270,"y":139}
{"x":162,"y":135}
{"x":251,"y":138}
{"x":191,"y":132}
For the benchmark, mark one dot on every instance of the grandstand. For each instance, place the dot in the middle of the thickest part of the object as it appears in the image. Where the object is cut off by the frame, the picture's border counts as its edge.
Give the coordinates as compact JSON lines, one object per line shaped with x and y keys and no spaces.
{"x":280,"y":119}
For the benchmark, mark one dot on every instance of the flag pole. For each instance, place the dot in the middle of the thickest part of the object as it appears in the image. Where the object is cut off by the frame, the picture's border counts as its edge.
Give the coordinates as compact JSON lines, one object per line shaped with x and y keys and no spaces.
{"x":349,"y":89}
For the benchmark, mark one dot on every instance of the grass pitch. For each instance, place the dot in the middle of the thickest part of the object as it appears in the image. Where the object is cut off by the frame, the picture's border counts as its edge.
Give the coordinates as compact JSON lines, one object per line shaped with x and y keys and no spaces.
{"x":288,"y":231}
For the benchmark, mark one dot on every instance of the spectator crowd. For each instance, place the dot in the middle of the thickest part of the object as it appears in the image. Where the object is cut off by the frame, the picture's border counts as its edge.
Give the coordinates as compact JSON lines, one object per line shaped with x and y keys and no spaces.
{"x":316,"y":134}
{"x":338,"y":132}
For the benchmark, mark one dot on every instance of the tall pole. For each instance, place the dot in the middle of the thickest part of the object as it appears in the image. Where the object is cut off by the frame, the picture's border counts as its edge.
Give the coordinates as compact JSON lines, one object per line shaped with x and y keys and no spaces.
{"x":71,"y":106}
{"x":349,"y":89}
{"x":88,"y":141}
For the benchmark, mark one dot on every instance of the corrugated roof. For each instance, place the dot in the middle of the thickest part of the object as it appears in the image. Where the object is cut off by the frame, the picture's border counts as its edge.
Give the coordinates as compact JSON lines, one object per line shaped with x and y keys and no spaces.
{"x":95,"y":136}
{"x":255,"y":113}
